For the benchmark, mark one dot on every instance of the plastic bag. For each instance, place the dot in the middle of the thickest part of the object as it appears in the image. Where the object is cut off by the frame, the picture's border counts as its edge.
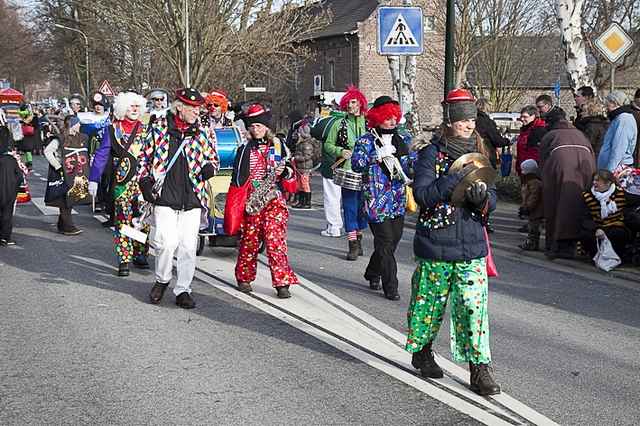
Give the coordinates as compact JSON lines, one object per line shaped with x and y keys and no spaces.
{"x":606,"y":258}
{"x":412,"y":206}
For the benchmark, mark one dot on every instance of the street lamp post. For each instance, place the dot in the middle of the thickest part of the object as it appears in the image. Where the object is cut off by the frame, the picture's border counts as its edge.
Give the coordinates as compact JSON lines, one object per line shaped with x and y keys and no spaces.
{"x":449,"y":48}
{"x":187,"y":46}
{"x":86,"y":53}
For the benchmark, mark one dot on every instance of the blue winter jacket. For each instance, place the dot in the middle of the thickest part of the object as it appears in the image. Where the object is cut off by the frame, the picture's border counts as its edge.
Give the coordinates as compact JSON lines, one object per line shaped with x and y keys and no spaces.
{"x":619,"y":143}
{"x":462,"y":240}
{"x":384,"y":198}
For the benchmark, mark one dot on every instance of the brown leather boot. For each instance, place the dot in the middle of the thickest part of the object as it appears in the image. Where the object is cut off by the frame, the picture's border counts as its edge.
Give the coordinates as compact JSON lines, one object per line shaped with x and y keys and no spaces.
{"x":481,"y":381}
{"x":157,"y":291}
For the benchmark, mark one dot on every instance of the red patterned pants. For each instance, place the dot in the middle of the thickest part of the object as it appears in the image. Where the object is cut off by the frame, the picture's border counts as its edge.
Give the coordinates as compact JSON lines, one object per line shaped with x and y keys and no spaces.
{"x":269,"y":225}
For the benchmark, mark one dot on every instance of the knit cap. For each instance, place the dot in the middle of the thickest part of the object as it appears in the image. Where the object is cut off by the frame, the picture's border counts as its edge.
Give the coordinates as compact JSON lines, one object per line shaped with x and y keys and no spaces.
{"x":529,"y":167}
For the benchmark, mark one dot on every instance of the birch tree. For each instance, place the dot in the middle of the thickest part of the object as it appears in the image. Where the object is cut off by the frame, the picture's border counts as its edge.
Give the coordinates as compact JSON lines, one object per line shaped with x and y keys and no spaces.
{"x":570,"y":22}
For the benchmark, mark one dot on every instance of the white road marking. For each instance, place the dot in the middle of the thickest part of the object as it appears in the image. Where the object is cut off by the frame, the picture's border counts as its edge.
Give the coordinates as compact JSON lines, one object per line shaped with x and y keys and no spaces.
{"x":37,"y":174}
{"x":46,"y":210}
{"x":43,"y":179}
{"x":347,"y":328}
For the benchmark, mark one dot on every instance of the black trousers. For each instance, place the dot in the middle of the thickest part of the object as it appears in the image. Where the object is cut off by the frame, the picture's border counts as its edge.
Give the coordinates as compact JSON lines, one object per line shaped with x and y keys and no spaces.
{"x":6,"y":220}
{"x":382,"y":264}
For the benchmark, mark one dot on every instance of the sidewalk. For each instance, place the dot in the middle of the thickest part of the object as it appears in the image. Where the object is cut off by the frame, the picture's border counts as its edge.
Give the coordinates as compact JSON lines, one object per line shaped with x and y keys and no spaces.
{"x":506,"y":239}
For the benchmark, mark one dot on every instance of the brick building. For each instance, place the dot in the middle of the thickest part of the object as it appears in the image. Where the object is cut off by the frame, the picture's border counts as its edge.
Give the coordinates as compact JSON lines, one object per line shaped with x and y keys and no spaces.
{"x":345,"y":53}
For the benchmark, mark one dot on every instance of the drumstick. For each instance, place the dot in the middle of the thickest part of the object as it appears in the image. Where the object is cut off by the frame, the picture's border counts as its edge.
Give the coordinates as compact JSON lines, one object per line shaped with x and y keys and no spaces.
{"x":338,"y":163}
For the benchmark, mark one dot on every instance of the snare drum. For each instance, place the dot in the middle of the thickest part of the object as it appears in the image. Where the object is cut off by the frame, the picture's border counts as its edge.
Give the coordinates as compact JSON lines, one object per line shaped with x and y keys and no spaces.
{"x":227,"y":141}
{"x":348,"y":179}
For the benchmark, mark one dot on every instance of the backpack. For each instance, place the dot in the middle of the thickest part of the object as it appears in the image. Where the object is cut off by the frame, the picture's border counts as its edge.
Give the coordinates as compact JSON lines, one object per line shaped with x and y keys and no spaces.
{"x":321,"y":129}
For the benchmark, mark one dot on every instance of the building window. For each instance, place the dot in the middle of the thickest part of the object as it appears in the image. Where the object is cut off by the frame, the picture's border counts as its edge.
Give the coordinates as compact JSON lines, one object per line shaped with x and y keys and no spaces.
{"x":332,"y":74}
{"x":429,"y":23}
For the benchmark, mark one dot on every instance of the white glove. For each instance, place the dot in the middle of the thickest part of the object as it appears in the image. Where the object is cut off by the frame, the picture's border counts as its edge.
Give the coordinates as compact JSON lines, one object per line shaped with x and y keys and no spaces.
{"x":93,"y":189}
{"x":385,"y":151}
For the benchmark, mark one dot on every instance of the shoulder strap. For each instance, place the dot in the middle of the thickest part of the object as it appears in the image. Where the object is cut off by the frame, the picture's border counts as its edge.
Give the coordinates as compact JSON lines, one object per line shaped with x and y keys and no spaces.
{"x":177,"y":154}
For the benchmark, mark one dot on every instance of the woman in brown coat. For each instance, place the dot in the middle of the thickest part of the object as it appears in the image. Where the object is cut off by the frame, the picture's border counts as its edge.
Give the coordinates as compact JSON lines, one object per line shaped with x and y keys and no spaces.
{"x":568,"y":164}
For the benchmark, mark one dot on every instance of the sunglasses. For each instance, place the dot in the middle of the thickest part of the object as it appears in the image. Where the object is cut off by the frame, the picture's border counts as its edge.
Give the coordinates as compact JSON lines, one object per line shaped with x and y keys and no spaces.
{"x":157,"y":99}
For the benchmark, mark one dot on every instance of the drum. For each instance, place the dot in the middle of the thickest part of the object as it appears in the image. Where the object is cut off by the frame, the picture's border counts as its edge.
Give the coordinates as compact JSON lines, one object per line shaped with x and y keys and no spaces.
{"x":228,"y":139}
{"x":91,"y":123}
{"x":348,"y":179}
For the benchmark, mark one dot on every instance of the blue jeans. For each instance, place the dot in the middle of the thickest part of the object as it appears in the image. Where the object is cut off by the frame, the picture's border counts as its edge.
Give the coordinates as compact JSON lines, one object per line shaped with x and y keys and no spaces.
{"x":354,"y":217}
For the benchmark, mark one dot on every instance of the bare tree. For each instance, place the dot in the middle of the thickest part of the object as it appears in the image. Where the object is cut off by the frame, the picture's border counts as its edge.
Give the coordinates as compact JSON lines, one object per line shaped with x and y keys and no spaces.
{"x":570,"y":22}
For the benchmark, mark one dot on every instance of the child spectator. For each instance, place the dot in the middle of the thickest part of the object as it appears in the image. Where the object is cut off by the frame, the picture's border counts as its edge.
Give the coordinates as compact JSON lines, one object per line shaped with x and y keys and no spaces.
{"x":605,"y":202}
{"x":308,"y":155}
{"x":532,"y":205}
{"x":11,"y":177}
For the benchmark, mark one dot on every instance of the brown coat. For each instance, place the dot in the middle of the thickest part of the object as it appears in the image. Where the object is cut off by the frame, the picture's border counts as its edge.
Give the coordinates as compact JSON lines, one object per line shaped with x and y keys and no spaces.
{"x":532,"y":196}
{"x":568,"y":164}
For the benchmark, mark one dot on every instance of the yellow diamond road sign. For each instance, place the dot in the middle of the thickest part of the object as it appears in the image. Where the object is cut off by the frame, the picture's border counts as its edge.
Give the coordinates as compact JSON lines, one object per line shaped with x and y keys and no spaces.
{"x":614,"y":43}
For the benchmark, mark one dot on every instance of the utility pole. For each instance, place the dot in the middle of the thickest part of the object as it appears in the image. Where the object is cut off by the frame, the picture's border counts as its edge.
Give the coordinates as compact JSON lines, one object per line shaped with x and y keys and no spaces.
{"x":187,"y":72}
{"x":86,"y":54}
{"x":449,"y":48}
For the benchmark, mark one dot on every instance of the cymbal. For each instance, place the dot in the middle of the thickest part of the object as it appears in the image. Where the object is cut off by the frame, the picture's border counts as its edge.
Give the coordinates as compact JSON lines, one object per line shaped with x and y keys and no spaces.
{"x":485,"y":174}
{"x":474,"y":158}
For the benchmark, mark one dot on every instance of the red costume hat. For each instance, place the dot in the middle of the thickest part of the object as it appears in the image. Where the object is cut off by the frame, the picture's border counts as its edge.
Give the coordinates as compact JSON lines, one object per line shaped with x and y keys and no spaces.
{"x":353,"y":93}
{"x":257,"y":113}
{"x":189,"y":96}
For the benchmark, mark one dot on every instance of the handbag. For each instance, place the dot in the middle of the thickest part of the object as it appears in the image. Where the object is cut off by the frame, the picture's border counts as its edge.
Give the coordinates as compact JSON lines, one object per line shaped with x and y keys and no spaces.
{"x":492,"y":270}
{"x":234,"y":207}
{"x":57,"y":187}
{"x":411,"y":206}
{"x":606,"y":258}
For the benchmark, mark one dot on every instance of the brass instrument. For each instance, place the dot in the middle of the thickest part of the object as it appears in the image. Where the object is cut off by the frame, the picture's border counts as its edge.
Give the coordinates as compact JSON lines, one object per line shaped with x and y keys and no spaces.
{"x":482,"y":172}
{"x":79,"y":190}
{"x":262,"y":194}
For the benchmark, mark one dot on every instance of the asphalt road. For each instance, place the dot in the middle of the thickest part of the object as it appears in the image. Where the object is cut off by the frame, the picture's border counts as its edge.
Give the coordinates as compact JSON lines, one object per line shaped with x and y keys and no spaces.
{"x":79,"y":345}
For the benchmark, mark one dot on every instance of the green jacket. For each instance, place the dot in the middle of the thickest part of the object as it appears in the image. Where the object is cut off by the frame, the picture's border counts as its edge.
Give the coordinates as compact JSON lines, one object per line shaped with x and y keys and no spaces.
{"x":356,"y":127}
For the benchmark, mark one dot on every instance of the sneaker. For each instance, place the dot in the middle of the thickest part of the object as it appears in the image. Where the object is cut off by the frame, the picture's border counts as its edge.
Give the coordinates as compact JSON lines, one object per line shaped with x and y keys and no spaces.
{"x":3,"y":243}
{"x":72,"y":231}
{"x":9,"y":242}
{"x":327,"y":233}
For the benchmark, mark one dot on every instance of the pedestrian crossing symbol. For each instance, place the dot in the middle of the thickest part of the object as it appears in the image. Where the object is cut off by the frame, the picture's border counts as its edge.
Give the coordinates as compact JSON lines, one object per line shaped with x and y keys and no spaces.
{"x":400,"y":30}
{"x":401,"y":35}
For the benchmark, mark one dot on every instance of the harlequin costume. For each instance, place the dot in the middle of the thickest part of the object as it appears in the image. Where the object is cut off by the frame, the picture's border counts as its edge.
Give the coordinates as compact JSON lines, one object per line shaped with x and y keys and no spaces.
{"x":450,"y":249}
{"x":342,"y":137}
{"x":384,"y":194}
{"x":122,"y":142}
{"x":176,"y":162}
{"x":254,"y":161}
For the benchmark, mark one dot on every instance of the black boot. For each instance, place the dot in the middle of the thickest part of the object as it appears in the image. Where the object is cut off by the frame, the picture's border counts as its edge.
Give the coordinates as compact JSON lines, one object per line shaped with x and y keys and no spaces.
{"x":426,"y":363}
{"x":481,"y":381}
{"x":306,"y":201}
{"x":360,"y":251}
{"x":123,"y":270}
{"x":374,"y":284}
{"x":296,"y":200}
{"x":283,"y":292}
{"x":353,"y":250}
{"x":531,"y":244}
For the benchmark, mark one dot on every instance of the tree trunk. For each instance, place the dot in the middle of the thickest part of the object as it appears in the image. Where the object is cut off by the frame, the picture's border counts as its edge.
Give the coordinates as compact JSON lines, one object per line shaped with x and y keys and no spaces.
{"x":570,"y":21}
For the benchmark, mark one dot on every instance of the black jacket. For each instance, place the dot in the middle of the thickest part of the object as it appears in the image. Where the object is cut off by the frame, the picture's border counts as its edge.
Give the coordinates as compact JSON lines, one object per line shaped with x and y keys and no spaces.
{"x":177,"y":190}
{"x":241,"y":164}
{"x":488,"y":131}
{"x":594,"y":128}
{"x":464,"y":240}
{"x":10,"y":179}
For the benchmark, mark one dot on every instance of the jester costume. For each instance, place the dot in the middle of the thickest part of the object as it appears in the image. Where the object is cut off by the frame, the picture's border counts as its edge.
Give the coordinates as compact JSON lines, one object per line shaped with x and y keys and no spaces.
{"x":450,"y":247}
{"x":254,"y":161}
{"x":122,"y":142}
{"x":176,"y":162}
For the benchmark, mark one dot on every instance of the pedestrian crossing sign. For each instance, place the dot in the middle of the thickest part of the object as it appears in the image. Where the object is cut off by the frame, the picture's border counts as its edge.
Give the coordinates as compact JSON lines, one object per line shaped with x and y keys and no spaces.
{"x":400,"y":30}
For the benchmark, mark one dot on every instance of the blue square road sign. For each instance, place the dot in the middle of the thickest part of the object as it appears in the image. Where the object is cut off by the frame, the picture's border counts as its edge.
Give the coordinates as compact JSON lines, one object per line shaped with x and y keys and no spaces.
{"x":400,"y":31}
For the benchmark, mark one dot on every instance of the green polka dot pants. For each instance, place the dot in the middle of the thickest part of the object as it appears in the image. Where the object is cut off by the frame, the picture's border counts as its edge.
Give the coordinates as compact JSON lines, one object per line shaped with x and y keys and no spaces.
{"x":433,"y":283}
